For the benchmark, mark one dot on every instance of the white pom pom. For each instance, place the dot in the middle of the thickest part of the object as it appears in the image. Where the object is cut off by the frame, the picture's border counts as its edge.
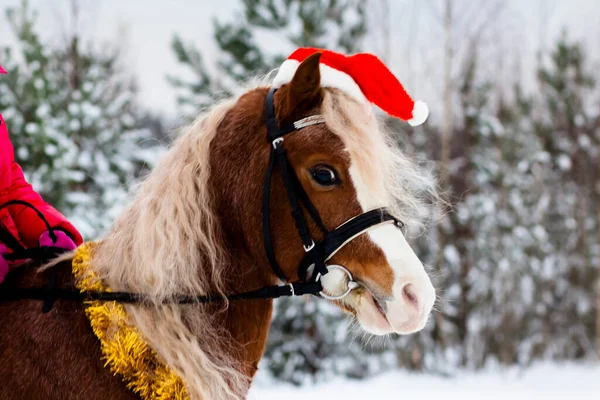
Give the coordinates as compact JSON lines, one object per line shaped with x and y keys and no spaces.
{"x":420,"y":112}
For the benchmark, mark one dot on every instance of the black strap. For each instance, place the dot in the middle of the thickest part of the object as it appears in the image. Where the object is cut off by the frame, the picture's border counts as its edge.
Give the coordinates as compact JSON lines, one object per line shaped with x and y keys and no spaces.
{"x":40,"y":254}
{"x":50,"y":289}
{"x":8,"y":294}
{"x":294,"y":190}
{"x":301,"y":225}
{"x":310,"y":207}
{"x":38,"y":212}
{"x":300,"y":221}
{"x":266,"y":224}
{"x":274,"y":130}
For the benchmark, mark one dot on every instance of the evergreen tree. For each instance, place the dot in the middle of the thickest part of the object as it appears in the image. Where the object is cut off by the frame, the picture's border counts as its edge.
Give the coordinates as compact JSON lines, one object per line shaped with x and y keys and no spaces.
{"x":24,"y":99}
{"x":247,"y":48}
{"x":535,"y":254}
{"x":74,"y":123}
{"x":522,"y":261}
{"x":566,"y":123}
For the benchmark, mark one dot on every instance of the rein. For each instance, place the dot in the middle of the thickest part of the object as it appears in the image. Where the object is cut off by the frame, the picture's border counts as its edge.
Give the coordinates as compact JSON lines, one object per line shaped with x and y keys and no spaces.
{"x":19,"y":251}
{"x":267,"y":292}
{"x":310,"y":271}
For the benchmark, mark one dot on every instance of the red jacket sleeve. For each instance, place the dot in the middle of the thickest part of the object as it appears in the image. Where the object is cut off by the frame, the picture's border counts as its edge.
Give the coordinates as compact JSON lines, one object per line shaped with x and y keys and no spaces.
{"x":29,"y":225}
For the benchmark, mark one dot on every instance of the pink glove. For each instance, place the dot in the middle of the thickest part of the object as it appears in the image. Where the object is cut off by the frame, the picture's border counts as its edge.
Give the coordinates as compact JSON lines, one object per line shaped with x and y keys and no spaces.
{"x":62,"y":240}
{"x":3,"y":263}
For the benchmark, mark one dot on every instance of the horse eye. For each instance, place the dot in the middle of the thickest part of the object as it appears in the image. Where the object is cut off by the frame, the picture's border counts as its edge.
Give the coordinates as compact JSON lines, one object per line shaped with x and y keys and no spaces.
{"x":324,"y":175}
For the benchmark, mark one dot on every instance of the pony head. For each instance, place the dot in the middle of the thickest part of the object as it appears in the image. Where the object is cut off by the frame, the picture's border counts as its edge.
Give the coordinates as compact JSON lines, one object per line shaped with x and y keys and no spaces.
{"x":347,"y":166}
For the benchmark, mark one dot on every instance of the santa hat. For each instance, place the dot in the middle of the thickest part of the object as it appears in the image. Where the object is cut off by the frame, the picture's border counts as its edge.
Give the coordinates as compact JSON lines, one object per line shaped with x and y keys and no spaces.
{"x":362,"y":76}
{"x":2,"y":70}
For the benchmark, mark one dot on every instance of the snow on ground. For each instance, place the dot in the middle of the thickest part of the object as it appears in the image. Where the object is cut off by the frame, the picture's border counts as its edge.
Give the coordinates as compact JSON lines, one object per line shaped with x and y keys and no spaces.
{"x":545,"y":381}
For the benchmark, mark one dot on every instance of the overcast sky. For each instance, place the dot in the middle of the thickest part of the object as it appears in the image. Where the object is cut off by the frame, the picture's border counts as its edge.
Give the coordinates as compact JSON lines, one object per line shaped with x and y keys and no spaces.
{"x":146,"y":27}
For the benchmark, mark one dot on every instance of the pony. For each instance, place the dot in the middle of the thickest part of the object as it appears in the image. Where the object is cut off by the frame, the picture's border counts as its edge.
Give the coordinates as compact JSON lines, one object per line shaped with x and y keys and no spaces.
{"x":193,"y":227}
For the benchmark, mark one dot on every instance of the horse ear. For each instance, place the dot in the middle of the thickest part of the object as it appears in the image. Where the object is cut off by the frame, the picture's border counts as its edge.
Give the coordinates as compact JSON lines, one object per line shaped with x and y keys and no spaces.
{"x":304,"y":90}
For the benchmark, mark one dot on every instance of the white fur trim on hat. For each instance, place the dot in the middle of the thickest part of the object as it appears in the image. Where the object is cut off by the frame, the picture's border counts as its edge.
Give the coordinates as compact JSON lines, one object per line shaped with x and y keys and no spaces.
{"x":420,"y":112}
{"x":285,"y":73}
{"x":330,"y":77}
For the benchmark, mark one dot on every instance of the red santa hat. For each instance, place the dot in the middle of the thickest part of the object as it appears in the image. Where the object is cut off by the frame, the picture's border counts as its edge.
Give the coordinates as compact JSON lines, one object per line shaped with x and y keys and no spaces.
{"x":362,"y":76}
{"x":2,"y":70}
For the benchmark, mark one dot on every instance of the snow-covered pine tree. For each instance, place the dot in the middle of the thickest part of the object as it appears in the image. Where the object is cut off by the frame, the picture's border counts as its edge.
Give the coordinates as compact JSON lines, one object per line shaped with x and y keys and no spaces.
{"x":308,"y":338}
{"x":566,"y":121}
{"x":74,"y":123}
{"x":24,"y":100}
{"x":443,"y":344}
{"x":521,"y":266}
{"x":535,"y":252}
{"x":246,"y":47}
{"x":496,"y":296}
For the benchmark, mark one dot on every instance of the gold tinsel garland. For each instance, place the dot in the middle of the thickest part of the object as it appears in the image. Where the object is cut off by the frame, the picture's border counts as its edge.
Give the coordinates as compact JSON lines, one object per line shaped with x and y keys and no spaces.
{"x":123,"y":350}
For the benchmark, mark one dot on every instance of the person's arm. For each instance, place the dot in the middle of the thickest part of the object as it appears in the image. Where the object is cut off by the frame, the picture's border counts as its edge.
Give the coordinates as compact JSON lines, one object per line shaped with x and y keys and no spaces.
{"x":29,"y":225}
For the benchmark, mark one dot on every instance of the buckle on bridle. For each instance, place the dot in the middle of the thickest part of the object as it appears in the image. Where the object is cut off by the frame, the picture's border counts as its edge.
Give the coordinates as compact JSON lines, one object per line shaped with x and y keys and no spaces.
{"x":352,"y":284}
{"x":309,"y":247}
{"x":275,"y":142}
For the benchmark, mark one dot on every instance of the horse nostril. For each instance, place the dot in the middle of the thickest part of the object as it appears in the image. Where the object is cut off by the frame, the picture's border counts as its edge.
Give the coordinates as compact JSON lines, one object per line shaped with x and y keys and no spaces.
{"x":410,"y":295}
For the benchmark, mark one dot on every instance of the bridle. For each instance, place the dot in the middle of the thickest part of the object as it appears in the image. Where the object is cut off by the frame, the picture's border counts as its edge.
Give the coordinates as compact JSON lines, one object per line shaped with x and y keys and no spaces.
{"x":313,"y":266}
{"x":310,"y":271}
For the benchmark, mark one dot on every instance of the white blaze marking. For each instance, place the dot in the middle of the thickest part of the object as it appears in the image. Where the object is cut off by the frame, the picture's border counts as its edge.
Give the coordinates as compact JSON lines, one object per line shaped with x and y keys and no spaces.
{"x":388,"y":237}
{"x":401,"y":258}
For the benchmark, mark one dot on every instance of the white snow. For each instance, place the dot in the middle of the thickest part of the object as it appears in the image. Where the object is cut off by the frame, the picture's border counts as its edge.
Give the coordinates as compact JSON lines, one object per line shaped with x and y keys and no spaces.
{"x":564,"y":162}
{"x":543,"y":381}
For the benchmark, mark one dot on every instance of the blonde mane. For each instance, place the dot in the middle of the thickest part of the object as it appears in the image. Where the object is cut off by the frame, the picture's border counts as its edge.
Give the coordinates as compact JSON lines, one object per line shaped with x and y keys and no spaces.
{"x":167,"y":242}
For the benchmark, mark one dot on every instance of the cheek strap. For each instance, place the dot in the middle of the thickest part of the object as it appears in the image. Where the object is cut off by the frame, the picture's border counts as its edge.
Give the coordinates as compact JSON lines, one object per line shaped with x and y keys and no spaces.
{"x":296,"y":195}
